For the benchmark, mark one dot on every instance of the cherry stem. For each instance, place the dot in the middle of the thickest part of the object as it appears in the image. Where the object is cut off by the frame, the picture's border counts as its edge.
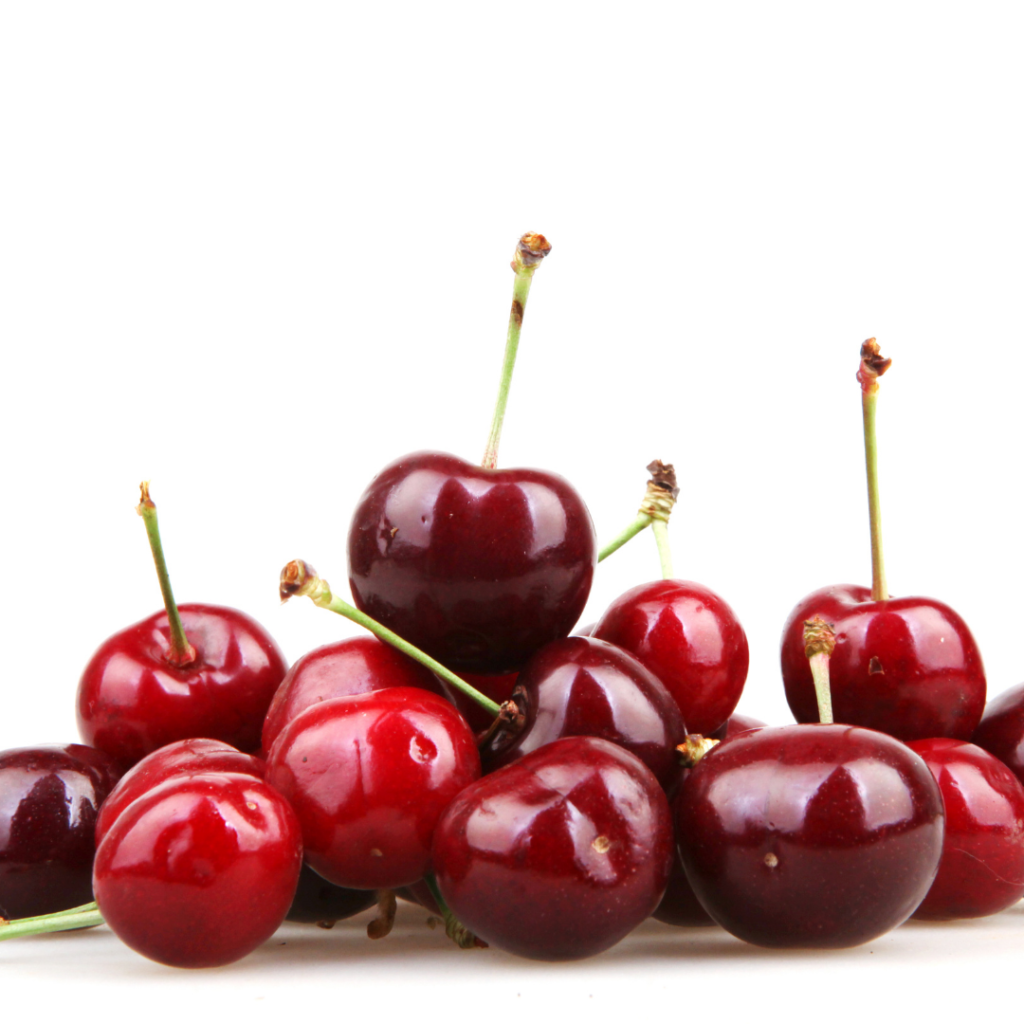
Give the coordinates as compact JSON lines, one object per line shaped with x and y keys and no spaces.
{"x":300,"y":579}
{"x":659,"y":500}
{"x":181,"y":653}
{"x":453,"y":927}
{"x":693,"y":749}
{"x":387,"y":906}
{"x":660,"y":528}
{"x":819,"y":643}
{"x":529,"y":253}
{"x":872,"y":366}
{"x":85,"y":916}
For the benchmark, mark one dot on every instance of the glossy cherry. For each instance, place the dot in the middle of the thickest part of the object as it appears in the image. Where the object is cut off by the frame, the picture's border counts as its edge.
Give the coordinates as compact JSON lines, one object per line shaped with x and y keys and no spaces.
{"x":132,"y":700}
{"x":49,"y":800}
{"x":690,"y":639}
{"x":200,"y":870}
{"x":185,"y":757}
{"x":982,"y":867}
{"x":580,"y":686}
{"x":317,"y":901}
{"x":477,"y":567}
{"x":359,"y":664}
{"x":820,"y":836}
{"x":368,"y":777}
{"x":559,"y":855}
{"x":905,"y":666}
{"x":1001,"y":729}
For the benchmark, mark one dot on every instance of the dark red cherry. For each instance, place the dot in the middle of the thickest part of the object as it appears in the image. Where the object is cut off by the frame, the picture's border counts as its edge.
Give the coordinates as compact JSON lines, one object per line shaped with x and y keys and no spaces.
{"x":368,"y":777}
{"x":49,"y":799}
{"x":477,"y":567}
{"x":690,"y":639}
{"x":580,"y":686}
{"x":360,"y":664}
{"x":982,"y":867}
{"x":132,"y":700}
{"x":176,"y":759}
{"x":680,"y":906}
{"x":1001,"y":729}
{"x":820,"y":836}
{"x":906,"y":666}
{"x":559,"y":855}
{"x":200,"y":870}
{"x":736,"y":724}
{"x":317,"y":901}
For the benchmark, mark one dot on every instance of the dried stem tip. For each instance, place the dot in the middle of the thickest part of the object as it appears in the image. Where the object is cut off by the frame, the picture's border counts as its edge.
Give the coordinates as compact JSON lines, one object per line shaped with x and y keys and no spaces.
{"x":532,"y":248}
{"x":300,"y":579}
{"x":662,"y":491}
{"x":819,"y":638}
{"x":872,"y":365}
{"x":145,"y":501}
{"x":694,"y":747}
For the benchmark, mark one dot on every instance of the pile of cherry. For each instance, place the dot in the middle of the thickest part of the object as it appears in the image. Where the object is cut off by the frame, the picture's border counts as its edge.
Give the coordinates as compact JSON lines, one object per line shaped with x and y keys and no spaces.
{"x":543,"y":793}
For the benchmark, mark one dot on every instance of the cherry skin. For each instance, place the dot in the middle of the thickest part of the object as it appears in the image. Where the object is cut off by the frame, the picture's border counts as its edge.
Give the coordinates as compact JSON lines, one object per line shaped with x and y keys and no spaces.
{"x":690,"y":639}
{"x":368,"y":777}
{"x":822,"y":836}
{"x":132,"y":700}
{"x":317,"y":901}
{"x":1001,"y":729}
{"x":477,"y":567}
{"x":559,"y":855}
{"x":49,"y":799}
{"x":200,"y":870}
{"x":186,"y":757}
{"x":737,"y":724}
{"x":360,"y":664}
{"x":982,"y":867}
{"x":907,"y":666}
{"x":580,"y":686}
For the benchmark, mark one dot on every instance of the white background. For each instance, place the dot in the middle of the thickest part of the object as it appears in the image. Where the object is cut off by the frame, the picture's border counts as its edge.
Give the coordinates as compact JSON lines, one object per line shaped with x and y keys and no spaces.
{"x":253,"y":252}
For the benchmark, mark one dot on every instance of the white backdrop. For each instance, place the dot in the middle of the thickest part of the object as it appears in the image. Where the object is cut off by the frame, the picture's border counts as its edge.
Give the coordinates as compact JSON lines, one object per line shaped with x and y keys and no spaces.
{"x":253,"y":252}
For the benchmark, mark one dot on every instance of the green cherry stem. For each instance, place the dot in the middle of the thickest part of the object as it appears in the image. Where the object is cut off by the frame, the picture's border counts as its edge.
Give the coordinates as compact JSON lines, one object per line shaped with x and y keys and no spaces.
{"x":819,"y":643}
{"x":872,"y":366}
{"x":86,"y":916}
{"x":181,"y":653}
{"x":300,"y":579}
{"x":529,"y":253}
{"x":659,"y":500}
{"x":453,"y":927}
{"x":660,"y":528}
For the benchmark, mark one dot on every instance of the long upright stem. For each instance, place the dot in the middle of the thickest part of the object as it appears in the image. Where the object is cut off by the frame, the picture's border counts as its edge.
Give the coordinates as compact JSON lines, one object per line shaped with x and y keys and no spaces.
{"x":300,"y":579}
{"x":529,"y":252}
{"x":182,"y":653}
{"x":872,"y":366}
{"x":819,"y":643}
{"x":660,"y":528}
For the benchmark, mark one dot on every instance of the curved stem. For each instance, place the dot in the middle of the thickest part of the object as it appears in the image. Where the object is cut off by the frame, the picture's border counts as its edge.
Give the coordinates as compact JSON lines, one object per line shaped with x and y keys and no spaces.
{"x":182,"y":653}
{"x":660,"y":528}
{"x":454,"y":928}
{"x":300,"y":579}
{"x":85,"y":916}
{"x":529,"y":252}
{"x":639,"y":524}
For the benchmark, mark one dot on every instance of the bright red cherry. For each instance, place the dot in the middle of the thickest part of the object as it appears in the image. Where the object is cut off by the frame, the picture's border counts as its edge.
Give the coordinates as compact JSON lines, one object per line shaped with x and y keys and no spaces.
{"x":580,"y":686}
{"x":982,"y":867}
{"x":690,"y":639}
{"x":820,"y":836}
{"x":49,"y":799}
{"x":477,"y":567}
{"x":360,"y":664}
{"x":906,"y":666}
{"x":185,"y":757}
{"x":368,"y":777}
{"x":1001,"y":729}
{"x":559,"y":855}
{"x":200,"y":870}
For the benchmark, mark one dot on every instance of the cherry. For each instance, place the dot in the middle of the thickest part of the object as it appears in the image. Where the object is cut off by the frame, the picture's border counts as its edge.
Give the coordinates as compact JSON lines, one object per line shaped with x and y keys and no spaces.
{"x":737,"y":724}
{"x":200,"y":870}
{"x":317,"y":901}
{"x":690,"y":639}
{"x":356,"y":665}
{"x":559,"y":855}
{"x":982,"y":867}
{"x":820,"y":836}
{"x":580,"y":686}
{"x":368,"y":777}
{"x":49,"y":799}
{"x":193,"y":756}
{"x":191,"y":671}
{"x":1001,"y":729}
{"x":906,"y":666}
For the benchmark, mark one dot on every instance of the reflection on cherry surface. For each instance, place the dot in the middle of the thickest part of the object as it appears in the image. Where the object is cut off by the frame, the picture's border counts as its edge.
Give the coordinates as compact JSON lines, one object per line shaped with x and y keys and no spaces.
{"x":1001,"y":729}
{"x":810,"y":835}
